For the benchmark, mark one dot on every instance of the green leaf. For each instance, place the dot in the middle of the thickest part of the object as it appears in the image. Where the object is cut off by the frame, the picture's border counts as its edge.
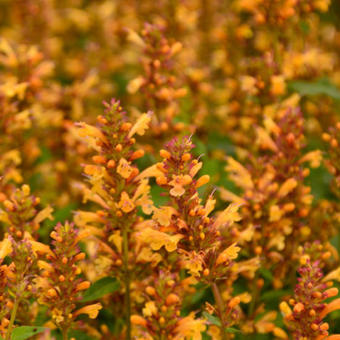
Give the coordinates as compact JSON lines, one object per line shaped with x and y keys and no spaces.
{"x":266,"y":274}
{"x":100,"y":288}
{"x":232,"y":330}
{"x":80,"y":335}
{"x":25,"y":332}
{"x":322,"y":86}
{"x":212,"y":319}
{"x":275,"y":294}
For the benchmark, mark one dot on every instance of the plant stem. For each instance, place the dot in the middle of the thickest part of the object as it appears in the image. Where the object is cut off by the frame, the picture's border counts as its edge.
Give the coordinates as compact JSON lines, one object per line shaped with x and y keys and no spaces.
{"x":254,"y":295}
{"x":220,"y":306}
{"x":65,"y":331}
{"x":127,"y":282}
{"x":11,"y":322}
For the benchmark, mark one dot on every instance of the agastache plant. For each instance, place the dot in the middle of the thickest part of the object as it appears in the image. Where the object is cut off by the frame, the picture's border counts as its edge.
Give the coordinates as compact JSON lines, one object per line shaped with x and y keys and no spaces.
{"x":115,"y":187}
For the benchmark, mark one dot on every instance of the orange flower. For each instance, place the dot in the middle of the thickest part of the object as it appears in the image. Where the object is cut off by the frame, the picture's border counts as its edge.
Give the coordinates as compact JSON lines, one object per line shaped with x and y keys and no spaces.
{"x":141,"y":125}
{"x":178,"y":184}
{"x":5,"y":248}
{"x":125,"y":203}
{"x":229,"y":253}
{"x":124,"y":169}
{"x":190,"y":328}
{"x":91,"y":310}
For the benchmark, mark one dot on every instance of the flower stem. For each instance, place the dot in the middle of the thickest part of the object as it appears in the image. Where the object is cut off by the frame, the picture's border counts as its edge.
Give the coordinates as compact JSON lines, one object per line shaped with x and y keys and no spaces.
{"x":253,"y":301}
{"x":65,"y":331}
{"x":127,"y":282}
{"x":11,"y":322}
{"x":220,"y":307}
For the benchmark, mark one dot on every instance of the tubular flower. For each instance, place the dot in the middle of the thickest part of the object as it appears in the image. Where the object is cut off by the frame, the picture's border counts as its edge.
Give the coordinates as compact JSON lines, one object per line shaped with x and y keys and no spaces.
{"x":91,"y":310}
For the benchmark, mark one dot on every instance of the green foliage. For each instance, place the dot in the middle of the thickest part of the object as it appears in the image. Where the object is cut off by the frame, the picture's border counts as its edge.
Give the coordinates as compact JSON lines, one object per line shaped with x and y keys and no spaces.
{"x":212,"y":319}
{"x":25,"y":332}
{"x":320,"y":87}
{"x":100,"y":288}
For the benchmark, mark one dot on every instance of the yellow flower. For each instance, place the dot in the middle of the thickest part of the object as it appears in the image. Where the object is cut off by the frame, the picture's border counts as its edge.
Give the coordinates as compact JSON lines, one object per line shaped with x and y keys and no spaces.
{"x":152,"y":171}
{"x":178,"y":182}
{"x":91,"y":310}
{"x":57,"y":315}
{"x":135,"y":38}
{"x":141,"y":125}
{"x":265,"y":324}
{"x":43,"y":215}
{"x":192,"y":261}
{"x":141,"y":197}
{"x":117,"y":240}
{"x":41,"y":248}
{"x":138,"y":320}
{"x":277,"y":241}
{"x":239,"y":174}
{"x":195,"y":169}
{"x":158,"y":239}
{"x":229,"y":253}
{"x":275,"y":213}
{"x":313,"y":157}
{"x":248,"y":84}
{"x":285,"y":309}
{"x":278,"y":85}
{"x":45,"y":265}
{"x":333,"y":275}
{"x":150,"y":309}
{"x":91,"y":134}
{"x":289,"y":185}
{"x":229,"y":196}
{"x":5,"y":248}
{"x":163,"y":215}
{"x":330,"y":307}
{"x":125,"y":203}
{"x":124,"y":169}
{"x":264,"y":139}
{"x":280,"y":333}
{"x":189,"y":328}
{"x":146,"y":255}
{"x":202,"y":181}
{"x":228,"y":216}
{"x":135,"y":84}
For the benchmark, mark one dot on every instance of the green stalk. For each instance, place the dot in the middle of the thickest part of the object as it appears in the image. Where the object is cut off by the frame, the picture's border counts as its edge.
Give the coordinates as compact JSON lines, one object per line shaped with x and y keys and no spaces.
{"x":65,"y":331}
{"x":11,"y":322}
{"x":127,"y":283}
{"x":254,"y":295}
{"x":220,"y":307}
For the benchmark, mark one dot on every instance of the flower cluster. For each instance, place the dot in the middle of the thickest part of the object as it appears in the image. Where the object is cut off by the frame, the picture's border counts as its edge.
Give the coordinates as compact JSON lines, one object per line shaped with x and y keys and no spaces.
{"x":59,"y":284}
{"x":308,"y":307}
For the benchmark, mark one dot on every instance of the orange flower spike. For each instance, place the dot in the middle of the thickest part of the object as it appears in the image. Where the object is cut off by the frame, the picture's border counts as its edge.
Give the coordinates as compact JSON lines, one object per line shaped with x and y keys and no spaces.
{"x":309,"y":308}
